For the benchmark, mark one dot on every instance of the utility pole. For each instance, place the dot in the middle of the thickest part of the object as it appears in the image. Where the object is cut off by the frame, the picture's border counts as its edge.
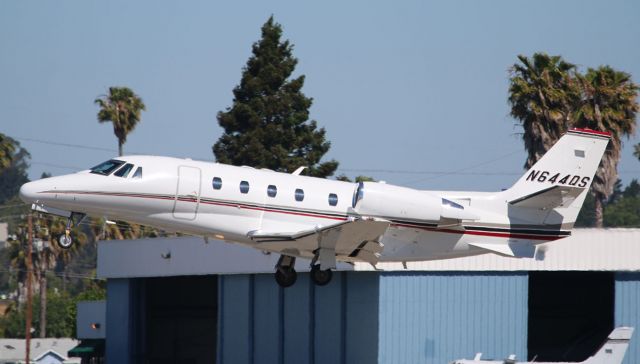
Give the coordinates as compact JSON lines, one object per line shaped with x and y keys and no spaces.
{"x":29,"y":289}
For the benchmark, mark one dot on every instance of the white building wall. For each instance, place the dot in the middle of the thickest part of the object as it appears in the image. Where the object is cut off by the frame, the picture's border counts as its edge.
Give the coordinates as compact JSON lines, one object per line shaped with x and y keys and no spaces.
{"x":584,"y":250}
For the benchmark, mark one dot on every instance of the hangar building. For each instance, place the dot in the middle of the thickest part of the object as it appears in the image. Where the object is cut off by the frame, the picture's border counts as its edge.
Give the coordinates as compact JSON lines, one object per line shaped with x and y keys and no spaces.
{"x":184,"y":300}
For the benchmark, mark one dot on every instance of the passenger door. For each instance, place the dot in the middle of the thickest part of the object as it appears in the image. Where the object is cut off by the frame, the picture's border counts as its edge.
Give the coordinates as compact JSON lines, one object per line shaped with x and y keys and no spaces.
{"x":187,"y":197}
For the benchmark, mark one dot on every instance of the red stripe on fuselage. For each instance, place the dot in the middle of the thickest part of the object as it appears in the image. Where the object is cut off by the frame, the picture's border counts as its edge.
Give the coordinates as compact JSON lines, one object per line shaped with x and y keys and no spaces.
{"x":482,"y":233}
{"x":317,"y":215}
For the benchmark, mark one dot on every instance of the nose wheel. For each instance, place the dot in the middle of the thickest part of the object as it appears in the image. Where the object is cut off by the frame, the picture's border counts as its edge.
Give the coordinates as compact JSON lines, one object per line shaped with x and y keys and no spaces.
{"x":65,"y":241}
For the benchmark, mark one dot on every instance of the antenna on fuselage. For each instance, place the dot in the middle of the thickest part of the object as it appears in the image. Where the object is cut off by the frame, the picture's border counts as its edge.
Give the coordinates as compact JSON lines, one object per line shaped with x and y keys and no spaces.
{"x":298,"y":171}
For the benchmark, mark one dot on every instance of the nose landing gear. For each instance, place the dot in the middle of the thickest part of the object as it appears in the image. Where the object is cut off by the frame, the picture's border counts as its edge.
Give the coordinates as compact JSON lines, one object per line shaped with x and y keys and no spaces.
{"x":65,"y":241}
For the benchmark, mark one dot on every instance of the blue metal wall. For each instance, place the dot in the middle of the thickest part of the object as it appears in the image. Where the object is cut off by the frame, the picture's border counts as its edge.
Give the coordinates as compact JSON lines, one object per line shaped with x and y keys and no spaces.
{"x":430,"y":317}
{"x":627,"y":311}
{"x":364,"y":317}
{"x":260,"y":322}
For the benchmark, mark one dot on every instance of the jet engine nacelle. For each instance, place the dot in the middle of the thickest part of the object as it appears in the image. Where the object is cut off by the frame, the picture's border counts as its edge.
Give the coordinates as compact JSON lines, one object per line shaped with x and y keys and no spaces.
{"x":394,"y":202}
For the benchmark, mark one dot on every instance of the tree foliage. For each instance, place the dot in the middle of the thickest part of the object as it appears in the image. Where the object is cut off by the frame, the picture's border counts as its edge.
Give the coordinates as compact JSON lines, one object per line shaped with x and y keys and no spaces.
{"x":625,"y":211}
{"x":609,"y":103}
{"x":548,"y":96}
{"x":15,"y":174}
{"x":123,"y":108}
{"x":61,"y":313}
{"x":7,"y":148}
{"x":268,"y":124}
{"x":543,"y":94}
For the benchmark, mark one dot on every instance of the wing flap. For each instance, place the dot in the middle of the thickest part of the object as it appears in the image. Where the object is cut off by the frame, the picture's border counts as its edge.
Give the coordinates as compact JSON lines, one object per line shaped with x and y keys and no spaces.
{"x":349,"y":238}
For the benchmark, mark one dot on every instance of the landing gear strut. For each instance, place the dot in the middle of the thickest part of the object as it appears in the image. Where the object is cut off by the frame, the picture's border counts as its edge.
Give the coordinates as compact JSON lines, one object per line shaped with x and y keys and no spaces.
{"x":285,"y":272}
{"x":65,"y":241}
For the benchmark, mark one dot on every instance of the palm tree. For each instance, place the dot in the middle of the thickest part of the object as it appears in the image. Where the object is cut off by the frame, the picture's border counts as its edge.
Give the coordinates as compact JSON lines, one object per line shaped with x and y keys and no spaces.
{"x":609,"y":104}
{"x":18,"y":261}
{"x":123,"y":108}
{"x":7,"y":148}
{"x":542,"y":93}
{"x":120,"y":230}
{"x":636,"y":151}
{"x":49,"y":254}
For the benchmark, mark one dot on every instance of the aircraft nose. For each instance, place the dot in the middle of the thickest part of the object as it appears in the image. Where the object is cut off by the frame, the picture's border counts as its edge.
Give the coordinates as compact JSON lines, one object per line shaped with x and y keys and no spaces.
{"x":28,"y":192}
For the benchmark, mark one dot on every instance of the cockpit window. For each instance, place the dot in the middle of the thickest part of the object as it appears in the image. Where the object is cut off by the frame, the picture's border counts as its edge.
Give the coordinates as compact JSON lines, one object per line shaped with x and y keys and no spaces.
{"x":124,"y":171}
{"x":106,"y":168}
{"x":137,"y":173}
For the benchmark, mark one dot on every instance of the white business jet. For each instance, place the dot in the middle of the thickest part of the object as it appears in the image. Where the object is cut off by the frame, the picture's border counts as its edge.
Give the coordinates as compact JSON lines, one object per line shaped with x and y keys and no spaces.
{"x":611,"y":352}
{"x":327,"y":220}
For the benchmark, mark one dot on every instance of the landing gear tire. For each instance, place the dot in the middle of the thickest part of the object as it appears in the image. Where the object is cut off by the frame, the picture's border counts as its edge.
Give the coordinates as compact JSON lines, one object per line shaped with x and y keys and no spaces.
{"x":320,"y":277}
{"x":65,"y":241}
{"x":286,"y":276}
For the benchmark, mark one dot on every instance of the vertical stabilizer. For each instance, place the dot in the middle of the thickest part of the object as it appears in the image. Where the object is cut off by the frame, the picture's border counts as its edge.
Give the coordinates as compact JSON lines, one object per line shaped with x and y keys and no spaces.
{"x":559,"y":181}
{"x":614,"y":349}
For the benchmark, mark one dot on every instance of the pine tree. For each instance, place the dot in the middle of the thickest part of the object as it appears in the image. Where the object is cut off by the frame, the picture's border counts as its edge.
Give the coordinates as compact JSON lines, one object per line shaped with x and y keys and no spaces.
{"x":268,"y":124}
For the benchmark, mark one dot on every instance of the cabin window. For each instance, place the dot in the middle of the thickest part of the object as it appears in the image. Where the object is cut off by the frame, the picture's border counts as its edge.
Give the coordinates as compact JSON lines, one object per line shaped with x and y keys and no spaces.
{"x":299,"y":194}
{"x":216,"y":183}
{"x":124,"y":171}
{"x":137,"y":173}
{"x":333,"y":199}
{"x":244,"y":187}
{"x":272,"y":191}
{"x":106,"y":168}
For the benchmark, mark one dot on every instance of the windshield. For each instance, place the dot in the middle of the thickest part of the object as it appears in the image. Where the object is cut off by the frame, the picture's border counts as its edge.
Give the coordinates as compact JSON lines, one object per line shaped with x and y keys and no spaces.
{"x":106,"y":168}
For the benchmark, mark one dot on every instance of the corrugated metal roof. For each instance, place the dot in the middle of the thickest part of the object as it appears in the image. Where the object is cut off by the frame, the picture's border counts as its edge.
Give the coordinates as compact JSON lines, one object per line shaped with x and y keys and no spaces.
{"x":584,"y":250}
{"x":14,"y":349}
{"x":164,"y":257}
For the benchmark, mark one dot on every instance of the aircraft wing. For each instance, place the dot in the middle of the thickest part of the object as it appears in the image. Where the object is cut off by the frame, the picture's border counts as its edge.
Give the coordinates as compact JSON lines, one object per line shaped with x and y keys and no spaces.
{"x":357,"y":239}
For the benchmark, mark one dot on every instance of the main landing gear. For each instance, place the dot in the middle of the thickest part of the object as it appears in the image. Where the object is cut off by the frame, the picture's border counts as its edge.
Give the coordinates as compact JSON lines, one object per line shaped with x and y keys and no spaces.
{"x":286,"y":274}
{"x":65,"y":241}
{"x":319,"y":276}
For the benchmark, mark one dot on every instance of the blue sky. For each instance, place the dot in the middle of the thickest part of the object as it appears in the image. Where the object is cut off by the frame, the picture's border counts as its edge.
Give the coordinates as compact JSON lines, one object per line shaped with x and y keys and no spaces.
{"x":401,"y":87}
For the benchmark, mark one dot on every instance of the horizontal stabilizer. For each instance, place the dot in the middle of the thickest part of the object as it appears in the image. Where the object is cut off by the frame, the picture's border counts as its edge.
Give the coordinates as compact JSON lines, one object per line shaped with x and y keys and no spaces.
{"x":549,"y":198}
{"x":503,"y":249}
{"x":511,"y":249}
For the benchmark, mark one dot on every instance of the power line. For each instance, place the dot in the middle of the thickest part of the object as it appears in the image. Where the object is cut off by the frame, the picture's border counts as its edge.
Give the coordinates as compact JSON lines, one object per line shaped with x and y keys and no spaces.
{"x":465,"y":168}
{"x":57,"y":274}
{"x":53,"y":165}
{"x":80,"y":146}
{"x":393,"y":171}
